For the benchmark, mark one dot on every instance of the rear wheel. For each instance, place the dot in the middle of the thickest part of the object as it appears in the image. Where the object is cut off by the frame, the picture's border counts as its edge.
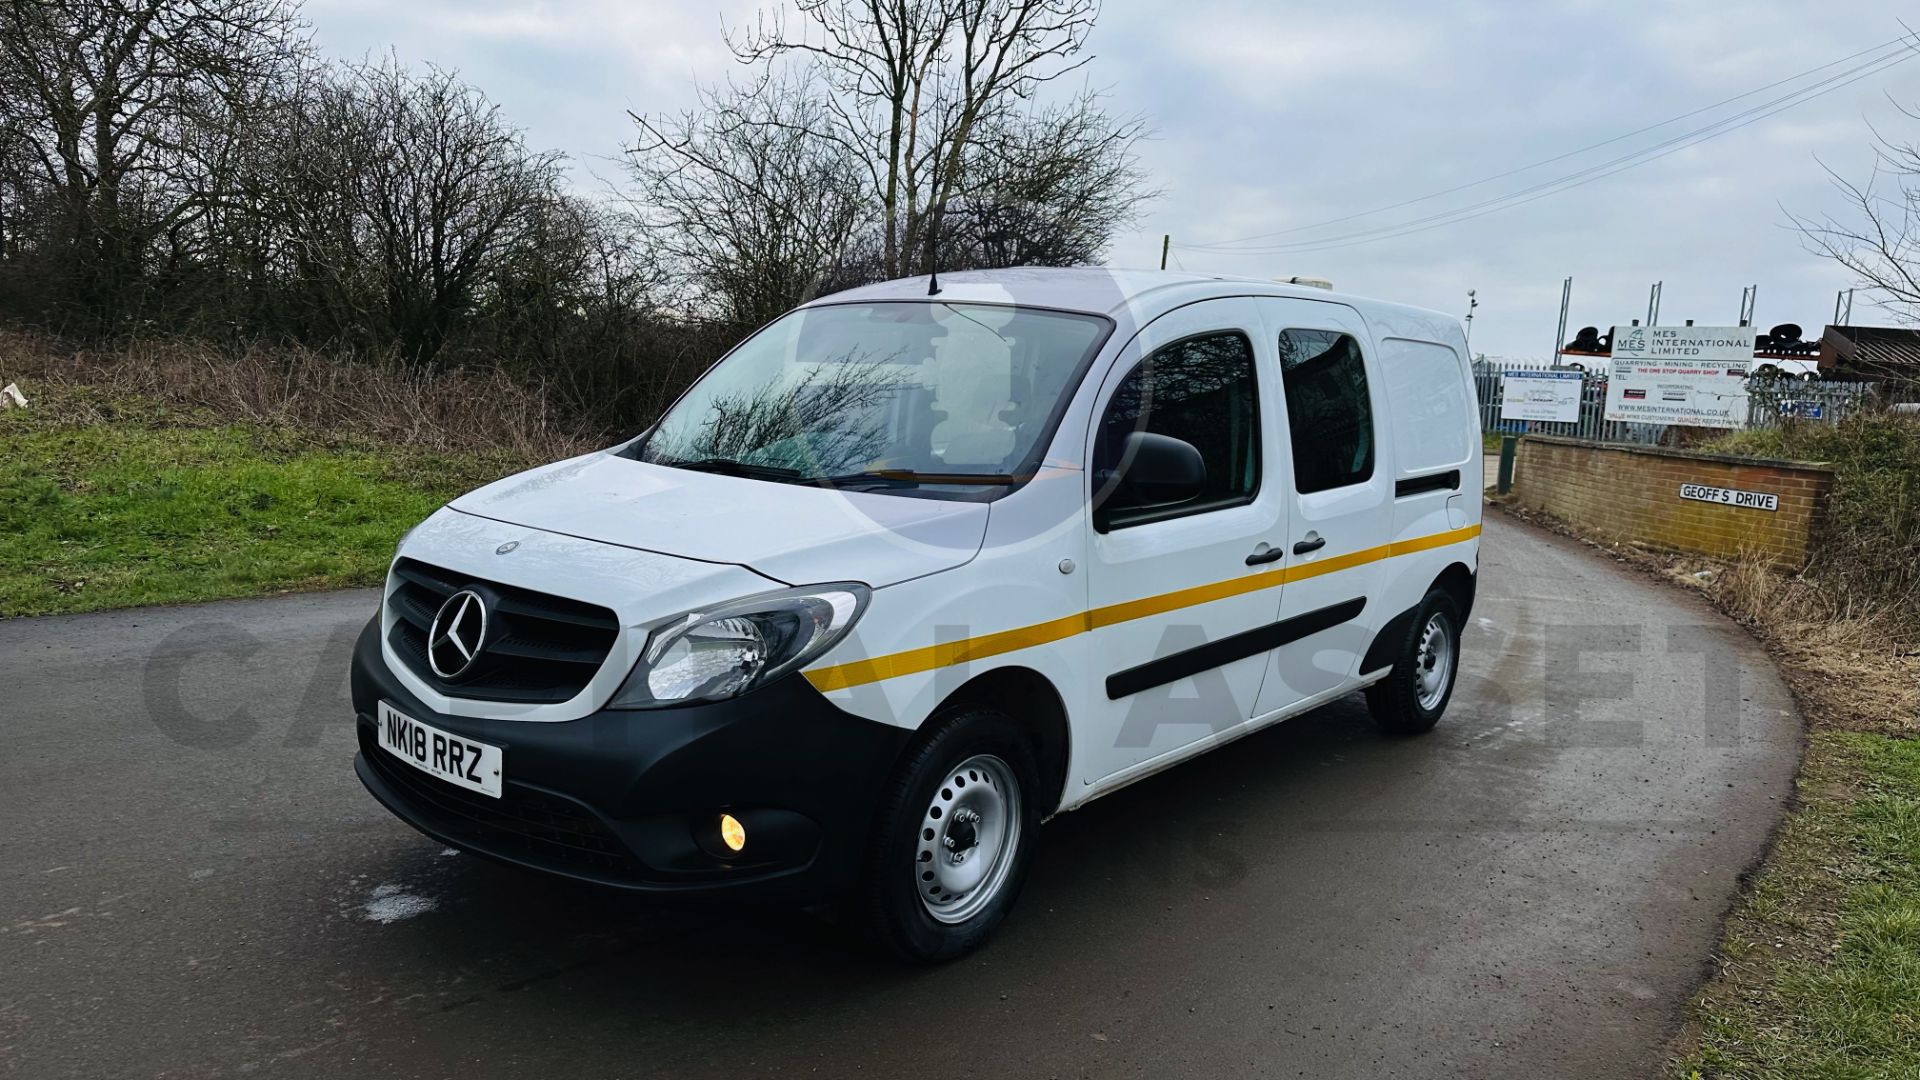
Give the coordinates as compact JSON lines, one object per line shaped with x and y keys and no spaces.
{"x":951,"y":848}
{"x":1414,"y":694}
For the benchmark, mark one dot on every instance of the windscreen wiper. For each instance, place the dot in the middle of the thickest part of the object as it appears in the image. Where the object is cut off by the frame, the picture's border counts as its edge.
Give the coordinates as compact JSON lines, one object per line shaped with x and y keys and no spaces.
{"x":910,"y":478}
{"x":730,"y":467}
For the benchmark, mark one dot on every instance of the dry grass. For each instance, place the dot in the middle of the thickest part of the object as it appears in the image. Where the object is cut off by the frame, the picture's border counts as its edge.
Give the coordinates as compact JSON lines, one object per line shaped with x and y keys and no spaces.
{"x":1867,"y":548}
{"x":1847,"y":656}
{"x":297,"y":389}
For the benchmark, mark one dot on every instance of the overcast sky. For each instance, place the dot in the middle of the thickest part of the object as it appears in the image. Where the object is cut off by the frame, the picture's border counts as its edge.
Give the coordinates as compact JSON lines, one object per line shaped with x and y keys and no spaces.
{"x":1274,"y":115}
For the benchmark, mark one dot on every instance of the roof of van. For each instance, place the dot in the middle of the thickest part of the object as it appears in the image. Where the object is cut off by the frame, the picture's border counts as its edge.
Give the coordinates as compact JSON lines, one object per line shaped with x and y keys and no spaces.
{"x":1099,"y":289}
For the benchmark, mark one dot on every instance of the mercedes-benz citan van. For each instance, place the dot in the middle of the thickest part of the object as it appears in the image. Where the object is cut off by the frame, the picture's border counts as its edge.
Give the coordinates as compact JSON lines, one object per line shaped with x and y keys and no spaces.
{"x":920,"y":565}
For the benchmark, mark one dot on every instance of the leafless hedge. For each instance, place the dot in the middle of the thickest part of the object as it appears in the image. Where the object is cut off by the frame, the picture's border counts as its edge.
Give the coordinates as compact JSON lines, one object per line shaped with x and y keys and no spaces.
{"x":191,"y":168}
{"x":375,"y":398}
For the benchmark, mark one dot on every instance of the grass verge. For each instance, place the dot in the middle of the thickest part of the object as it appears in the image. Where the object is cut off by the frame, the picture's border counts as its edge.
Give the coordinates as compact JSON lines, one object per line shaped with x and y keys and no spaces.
{"x":1819,"y":971}
{"x":115,"y":499}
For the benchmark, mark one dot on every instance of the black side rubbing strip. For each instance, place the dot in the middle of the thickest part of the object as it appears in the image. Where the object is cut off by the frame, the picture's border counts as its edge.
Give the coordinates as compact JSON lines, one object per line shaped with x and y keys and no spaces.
{"x":1414,"y":485}
{"x":1190,"y":662}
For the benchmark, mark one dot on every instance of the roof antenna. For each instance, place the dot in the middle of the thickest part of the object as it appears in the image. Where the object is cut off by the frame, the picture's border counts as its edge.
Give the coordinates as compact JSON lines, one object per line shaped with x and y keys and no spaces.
{"x":933,"y":256}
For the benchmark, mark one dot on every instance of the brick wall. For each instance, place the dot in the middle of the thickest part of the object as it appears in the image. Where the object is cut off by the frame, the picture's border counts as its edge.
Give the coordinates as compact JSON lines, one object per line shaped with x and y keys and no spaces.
{"x":1632,"y":494}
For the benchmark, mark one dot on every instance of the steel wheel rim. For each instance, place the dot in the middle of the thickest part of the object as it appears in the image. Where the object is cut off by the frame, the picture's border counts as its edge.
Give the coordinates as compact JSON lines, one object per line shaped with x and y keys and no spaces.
{"x":968,"y":837}
{"x":1433,"y":663}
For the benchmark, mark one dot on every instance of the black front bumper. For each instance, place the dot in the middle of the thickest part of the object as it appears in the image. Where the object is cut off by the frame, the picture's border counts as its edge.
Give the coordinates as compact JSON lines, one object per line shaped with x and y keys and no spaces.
{"x":632,"y":799}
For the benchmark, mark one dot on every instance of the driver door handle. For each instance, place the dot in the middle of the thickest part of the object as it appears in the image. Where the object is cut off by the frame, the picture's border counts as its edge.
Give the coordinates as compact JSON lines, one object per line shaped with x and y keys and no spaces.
{"x":1305,"y":546}
{"x":1264,"y":554}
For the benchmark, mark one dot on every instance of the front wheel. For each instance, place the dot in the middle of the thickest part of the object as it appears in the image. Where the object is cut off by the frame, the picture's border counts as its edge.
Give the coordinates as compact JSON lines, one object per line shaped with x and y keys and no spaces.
{"x":952,"y":845}
{"x":1414,"y":694}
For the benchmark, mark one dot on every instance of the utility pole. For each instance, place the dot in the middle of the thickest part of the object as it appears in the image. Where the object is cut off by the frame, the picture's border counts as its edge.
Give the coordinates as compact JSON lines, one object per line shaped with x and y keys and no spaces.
{"x":1166,"y":241}
{"x":1843,"y":307}
{"x":1653,"y":304}
{"x":1749,"y":296}
{"x":1560,"y":338}
{"x":1472,"y":302}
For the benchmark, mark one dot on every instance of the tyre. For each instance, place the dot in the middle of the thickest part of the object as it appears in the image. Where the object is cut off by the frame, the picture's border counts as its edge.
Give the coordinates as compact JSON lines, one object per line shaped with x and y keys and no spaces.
{"x":954,"y":837}
{"x":1411,"y":698}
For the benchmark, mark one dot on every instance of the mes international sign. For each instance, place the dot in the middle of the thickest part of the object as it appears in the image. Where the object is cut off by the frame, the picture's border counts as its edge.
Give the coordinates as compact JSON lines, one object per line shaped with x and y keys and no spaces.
{"x":1687,"y":375}
{"x":1553,"y":396}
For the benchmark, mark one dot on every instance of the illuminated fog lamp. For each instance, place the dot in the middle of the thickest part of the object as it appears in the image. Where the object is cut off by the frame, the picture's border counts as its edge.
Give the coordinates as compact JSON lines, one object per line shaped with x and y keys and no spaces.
{"x":732,"y":833}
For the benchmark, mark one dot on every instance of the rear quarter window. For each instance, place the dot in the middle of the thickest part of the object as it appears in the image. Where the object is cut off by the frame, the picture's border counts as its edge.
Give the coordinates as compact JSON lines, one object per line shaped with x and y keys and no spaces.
{"x":1430,"y":417}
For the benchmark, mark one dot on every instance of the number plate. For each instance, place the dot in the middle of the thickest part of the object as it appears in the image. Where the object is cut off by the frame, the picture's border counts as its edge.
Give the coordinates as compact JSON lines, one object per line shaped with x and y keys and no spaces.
{"x":472,"y":765}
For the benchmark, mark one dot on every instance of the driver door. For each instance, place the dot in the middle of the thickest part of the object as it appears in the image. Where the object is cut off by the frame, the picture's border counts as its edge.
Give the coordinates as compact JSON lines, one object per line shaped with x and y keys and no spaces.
{"x":1180,"y":595}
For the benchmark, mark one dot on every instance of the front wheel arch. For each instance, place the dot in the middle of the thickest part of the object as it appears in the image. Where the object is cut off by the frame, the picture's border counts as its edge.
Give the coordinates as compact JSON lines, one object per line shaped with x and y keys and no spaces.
{"x":1032,"y":700}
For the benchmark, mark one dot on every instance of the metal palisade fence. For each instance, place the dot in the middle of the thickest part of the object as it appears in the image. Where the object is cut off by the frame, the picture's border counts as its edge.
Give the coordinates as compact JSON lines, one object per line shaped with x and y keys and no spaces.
{"x":1769,"y":404}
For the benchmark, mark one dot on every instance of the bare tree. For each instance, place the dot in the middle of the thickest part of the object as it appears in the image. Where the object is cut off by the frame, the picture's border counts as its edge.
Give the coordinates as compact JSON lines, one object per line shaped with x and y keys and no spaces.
{"x":1046,"y":189}
{"x":115,"y":101}
{"x":748,"y":199}
{"x":1878,"y":241}
{"x":405,"y":195}
{"x":917,"y":85}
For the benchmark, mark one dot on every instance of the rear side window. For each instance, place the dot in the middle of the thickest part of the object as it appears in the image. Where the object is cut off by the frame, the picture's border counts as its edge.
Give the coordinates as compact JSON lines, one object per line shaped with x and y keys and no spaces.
{"x":1200,"y":390}
{"x":1431,"y":419}
{"x":1328,"y":412}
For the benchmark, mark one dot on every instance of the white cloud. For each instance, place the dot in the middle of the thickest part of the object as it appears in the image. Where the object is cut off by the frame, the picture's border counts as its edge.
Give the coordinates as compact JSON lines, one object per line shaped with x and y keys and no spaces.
{"x":1274,"y":115}
{"x":1268,"y":56}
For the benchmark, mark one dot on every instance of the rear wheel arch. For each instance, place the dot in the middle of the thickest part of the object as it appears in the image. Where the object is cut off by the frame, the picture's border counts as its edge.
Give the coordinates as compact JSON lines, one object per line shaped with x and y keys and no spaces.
{"x":1032,"y":700}
{"x":1459,"y":583}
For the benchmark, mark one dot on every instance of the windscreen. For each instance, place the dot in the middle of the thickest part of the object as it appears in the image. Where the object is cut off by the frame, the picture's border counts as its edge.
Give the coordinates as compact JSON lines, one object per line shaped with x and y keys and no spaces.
{"x":923,"y":388}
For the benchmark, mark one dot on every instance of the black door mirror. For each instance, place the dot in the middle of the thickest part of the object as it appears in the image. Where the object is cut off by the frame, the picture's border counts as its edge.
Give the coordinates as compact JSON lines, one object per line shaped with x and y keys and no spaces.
{"x":1153,"y":471}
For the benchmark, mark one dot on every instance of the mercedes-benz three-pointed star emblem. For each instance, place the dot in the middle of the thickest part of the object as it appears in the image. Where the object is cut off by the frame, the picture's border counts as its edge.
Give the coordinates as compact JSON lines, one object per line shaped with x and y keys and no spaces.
{"x":459,"y":631}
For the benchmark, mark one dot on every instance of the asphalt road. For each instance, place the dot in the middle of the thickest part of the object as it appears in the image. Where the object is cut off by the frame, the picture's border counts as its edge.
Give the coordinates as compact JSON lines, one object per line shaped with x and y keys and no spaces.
{"x":193,"y":884}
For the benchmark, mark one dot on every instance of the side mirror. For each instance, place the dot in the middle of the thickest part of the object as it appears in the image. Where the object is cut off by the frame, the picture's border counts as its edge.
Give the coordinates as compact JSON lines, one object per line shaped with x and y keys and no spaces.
{"x":1154,"y":471}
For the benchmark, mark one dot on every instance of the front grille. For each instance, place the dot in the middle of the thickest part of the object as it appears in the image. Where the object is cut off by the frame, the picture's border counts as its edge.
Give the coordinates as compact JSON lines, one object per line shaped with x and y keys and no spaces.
{"x":541,"y":649}
{"x":530,"y":825}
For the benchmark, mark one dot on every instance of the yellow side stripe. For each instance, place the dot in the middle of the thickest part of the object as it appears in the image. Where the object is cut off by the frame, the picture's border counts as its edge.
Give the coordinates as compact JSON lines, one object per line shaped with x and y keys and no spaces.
{"x":947,"y":653}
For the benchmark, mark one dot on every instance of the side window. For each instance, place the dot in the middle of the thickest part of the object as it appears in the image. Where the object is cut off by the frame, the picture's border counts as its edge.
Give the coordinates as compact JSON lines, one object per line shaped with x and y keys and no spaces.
{"x":1431,"y":418}
{"x":1328,"y":412}
{"x":1200,"y":390}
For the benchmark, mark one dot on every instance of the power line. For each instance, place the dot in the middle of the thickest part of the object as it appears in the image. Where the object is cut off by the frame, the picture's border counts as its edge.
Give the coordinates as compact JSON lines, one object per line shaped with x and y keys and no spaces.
{"x":1605,"y":168}
{"x":1579,"y":178}
{"x":1573,"y":153}
{"x":1507,"y":205}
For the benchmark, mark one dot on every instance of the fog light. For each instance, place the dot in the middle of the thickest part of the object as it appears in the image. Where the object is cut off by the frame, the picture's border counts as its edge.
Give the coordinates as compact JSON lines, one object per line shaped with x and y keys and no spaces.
{"x":732,"y":833}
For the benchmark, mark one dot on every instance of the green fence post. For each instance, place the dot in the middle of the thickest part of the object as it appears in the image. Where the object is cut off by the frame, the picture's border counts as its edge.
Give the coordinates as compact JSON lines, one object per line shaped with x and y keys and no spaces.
{"x":1508,"y":443}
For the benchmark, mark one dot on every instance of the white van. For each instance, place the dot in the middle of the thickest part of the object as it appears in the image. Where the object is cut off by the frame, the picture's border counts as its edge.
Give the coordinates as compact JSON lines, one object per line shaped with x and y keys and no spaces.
{"x":920,"y":565}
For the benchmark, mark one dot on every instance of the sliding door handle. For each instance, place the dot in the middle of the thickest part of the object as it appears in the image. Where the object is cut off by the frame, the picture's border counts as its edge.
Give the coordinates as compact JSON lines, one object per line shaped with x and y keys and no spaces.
{"x":1305,"y":546}
{"x":1264,"y":554}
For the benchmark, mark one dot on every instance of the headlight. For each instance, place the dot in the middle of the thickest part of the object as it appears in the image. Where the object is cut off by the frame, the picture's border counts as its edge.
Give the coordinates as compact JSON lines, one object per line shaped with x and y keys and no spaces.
{"x":725,"y":650}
